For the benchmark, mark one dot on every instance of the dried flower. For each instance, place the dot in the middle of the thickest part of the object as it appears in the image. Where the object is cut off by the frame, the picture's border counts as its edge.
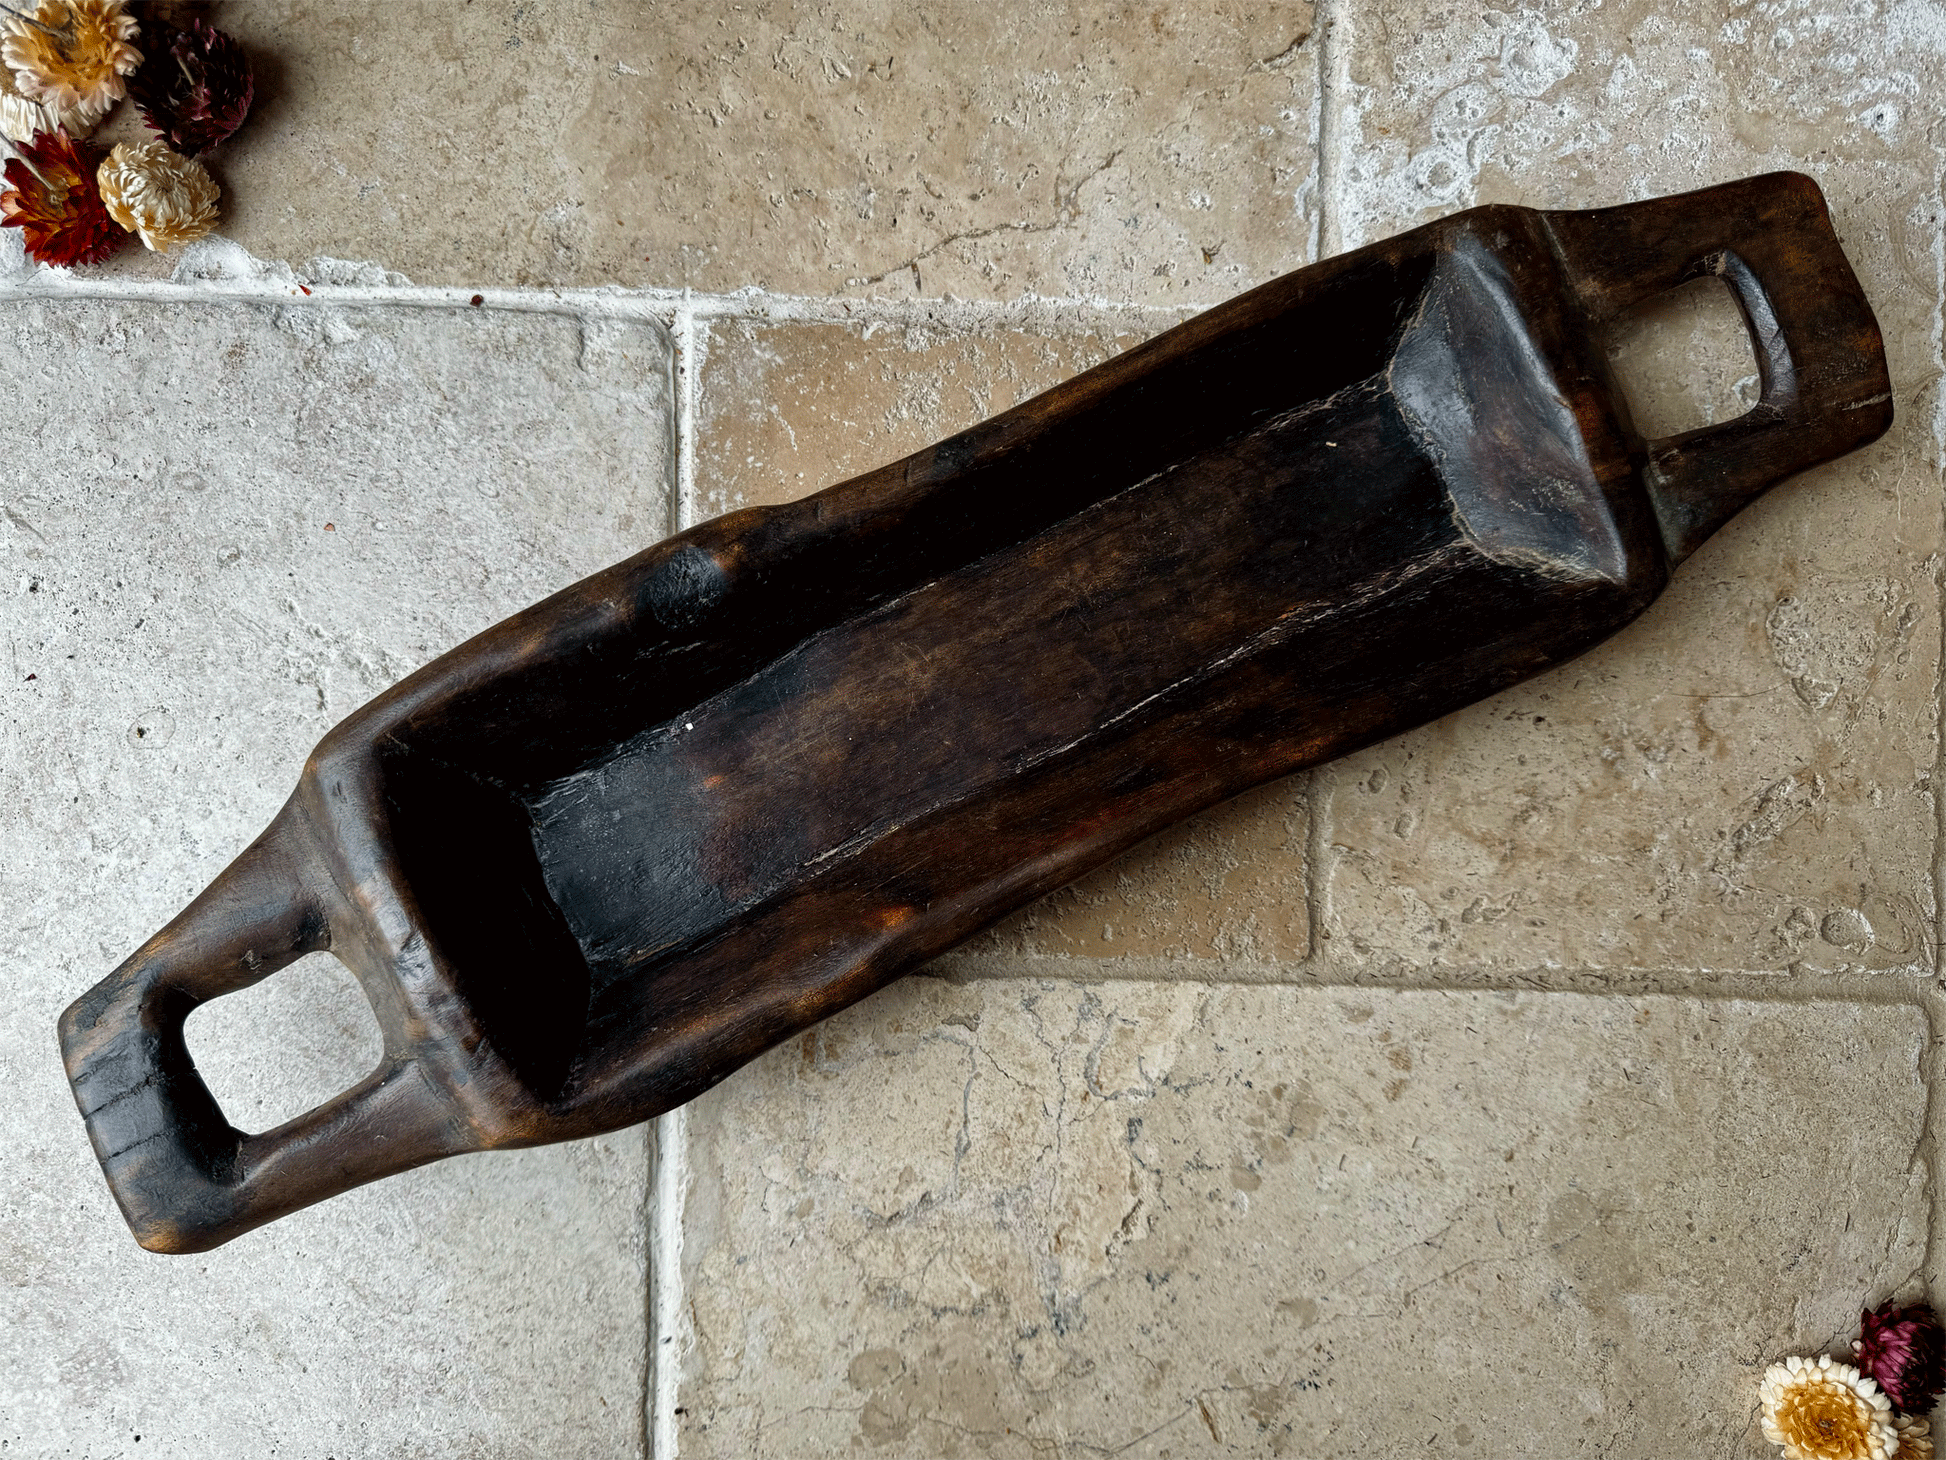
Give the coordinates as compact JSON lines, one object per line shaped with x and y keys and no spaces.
{"x":195,"y":87}
{"x":21,"y":120}
{"x":56,"y":203}
{"x":72,"y":54}
{"x":1915,"y":1438}
{"x":1904,"y":1349}
{"x":167,"y":198}
{"x":1820,"y":1410}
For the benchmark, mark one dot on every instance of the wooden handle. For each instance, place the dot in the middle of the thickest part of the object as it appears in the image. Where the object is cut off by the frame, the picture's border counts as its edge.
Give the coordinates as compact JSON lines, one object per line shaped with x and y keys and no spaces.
{"x":185,"y":1178}
{"x":1820,"y":355}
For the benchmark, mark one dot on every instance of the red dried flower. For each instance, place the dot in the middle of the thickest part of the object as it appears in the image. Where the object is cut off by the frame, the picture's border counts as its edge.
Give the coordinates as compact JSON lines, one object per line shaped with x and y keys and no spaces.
{"x":194,"y":88}
{"x":56,"y":203}
{"x":1904,"y":1349}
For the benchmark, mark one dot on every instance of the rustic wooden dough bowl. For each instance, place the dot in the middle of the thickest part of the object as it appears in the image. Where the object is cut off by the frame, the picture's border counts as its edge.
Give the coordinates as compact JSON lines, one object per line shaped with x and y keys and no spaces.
{"x":591,"y":861}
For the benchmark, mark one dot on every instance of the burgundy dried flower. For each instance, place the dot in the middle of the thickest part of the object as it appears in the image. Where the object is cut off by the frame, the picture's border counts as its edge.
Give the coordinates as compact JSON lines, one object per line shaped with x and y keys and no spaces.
{"x":195,"y":87}
{"x":56,"y":203}
{"x":1904,"y":1349}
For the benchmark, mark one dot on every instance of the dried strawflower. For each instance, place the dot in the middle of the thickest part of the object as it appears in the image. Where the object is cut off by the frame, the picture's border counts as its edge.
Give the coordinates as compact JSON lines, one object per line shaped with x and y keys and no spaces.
{"x":166,"y":198}
{"x":1820,"y":1410}
{"x":1904,"y":1349}
{"x":72,"y":55}
{"x":195,"y":87}
{"x":54,"y":199}
{"x":21,"y":120}
{"x":1915,"y":1438}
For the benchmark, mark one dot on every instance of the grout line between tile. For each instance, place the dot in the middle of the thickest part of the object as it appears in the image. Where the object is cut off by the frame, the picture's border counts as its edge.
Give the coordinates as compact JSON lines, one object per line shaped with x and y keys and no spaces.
{"x":1938,"y":424}
{"x":685,"y":329}
{"x":1320,"y":204}
{"x":1892,"y":988}
{"x":607,"y":301}
{"x":645,"y":1217}
{"x":1334,"y":22}
{"x":1938,"y":386}
{"x":1933,"y":1069}
{"x":668,"y":1333}
{"x":1926,"y":1150}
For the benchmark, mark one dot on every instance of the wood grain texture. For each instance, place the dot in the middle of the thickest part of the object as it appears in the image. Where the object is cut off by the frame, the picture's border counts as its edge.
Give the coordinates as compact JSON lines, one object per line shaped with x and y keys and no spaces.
{"x":601,"y":855}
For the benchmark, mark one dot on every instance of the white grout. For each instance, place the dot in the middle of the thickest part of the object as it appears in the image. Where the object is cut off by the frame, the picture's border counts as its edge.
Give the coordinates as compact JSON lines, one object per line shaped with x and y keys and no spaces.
{"x":1334,"y":22}
{"x":270,"y":283}
{"x":688,"y":335}
{"x":669,"y":1330}
{"x":1928,"y":1152}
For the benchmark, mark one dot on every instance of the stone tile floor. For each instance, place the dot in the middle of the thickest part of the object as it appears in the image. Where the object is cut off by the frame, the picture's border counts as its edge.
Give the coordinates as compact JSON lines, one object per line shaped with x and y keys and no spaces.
{"x":1518,"y":1087}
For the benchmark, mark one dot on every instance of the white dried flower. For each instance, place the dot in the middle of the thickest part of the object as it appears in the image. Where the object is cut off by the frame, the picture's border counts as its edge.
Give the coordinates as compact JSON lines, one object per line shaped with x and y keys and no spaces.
{"x":71,"y":55}
{"x":1915,"y":1438}
{"x":21,"y":120}
{"x":1820,"y":1410}
{"x":165,"y":197}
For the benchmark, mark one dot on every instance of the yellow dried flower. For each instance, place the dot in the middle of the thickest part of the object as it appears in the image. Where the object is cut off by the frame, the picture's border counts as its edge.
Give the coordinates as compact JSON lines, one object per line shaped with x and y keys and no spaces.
{"x":71,"y":55}
{"x":166,"y":198}
{"x":1915,"y":1438}
{"x":1820,"y":1410}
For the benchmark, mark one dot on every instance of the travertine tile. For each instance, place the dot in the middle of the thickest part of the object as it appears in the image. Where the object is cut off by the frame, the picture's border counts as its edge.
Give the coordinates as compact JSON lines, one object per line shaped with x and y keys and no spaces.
{"x":222,"y":528}
{"x":1161,"y":152}
{"x":1743,"y":779}
{"x":1016,"y":1218}
{"x":1577,"y":105}
{"x":784,"y":409}
{"x":1228,"y":885}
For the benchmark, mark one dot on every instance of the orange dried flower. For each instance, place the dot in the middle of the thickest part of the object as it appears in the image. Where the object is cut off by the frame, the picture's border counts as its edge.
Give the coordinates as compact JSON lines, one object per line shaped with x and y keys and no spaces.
{"x":56,"y":202}
{"x":72,"y":55}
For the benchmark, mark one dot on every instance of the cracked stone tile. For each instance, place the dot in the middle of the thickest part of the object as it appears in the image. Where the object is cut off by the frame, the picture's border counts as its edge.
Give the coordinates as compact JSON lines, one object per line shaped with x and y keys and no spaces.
{"x":1742,"y":780}
{"x":785,"y":409}
{"x":1162,"y":153}
{"x":223,"y":528}
{"x":1008,"y":1217}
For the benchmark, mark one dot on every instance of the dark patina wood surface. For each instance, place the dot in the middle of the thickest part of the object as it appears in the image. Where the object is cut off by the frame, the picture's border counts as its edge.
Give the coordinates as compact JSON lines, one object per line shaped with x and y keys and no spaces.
{"x":590,"y":862}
